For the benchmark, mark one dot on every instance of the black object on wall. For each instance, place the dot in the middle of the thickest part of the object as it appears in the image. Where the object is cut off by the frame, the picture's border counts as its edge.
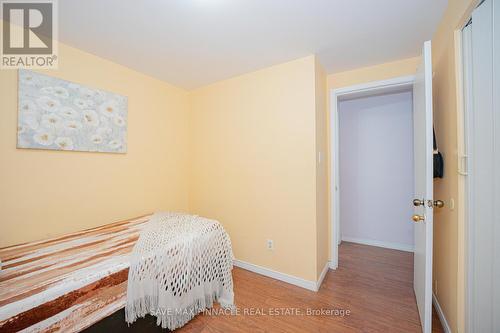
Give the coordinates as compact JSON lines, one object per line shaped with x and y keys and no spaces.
{"x":437,"y":159}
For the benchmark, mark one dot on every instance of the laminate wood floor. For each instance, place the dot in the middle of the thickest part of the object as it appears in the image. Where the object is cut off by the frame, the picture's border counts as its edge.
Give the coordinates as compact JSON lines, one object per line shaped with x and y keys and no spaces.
{"x":373,"y":284}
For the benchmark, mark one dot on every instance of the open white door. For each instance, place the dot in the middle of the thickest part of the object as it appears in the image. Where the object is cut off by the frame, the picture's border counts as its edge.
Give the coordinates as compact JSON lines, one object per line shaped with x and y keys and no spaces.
{"x":423,"y":150}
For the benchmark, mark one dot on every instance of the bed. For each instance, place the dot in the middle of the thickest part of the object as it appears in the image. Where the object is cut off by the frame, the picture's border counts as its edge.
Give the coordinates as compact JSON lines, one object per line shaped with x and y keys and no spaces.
{"x":67,"y":283}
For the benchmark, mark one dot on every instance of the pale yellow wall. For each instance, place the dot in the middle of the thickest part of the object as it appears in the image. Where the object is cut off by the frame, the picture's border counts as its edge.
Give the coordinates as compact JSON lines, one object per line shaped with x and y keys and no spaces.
{"x":373,"y":73}
{"x":253,"y":145}
{"x":322,"y":186}
{"x":448,"y":245}
{"x":48,"y":193}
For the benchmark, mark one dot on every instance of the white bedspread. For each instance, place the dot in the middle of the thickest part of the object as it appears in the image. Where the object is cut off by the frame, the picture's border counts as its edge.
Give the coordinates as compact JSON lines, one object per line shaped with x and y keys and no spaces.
{"x":180,"y":265}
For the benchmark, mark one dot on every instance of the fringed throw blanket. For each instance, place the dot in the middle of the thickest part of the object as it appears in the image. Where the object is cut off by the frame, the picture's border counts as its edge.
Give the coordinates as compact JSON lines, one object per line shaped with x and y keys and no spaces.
{"x":180,"y":265}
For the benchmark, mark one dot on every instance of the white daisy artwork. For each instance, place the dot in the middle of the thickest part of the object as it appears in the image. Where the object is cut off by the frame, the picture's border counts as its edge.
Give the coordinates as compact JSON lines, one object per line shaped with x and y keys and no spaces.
{"x":61,"y":115}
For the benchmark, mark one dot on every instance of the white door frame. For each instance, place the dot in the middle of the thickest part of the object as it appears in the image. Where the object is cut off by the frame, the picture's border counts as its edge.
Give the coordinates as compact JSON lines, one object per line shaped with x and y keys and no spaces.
{"x":336,"y":95}
{"x":464,"y":182}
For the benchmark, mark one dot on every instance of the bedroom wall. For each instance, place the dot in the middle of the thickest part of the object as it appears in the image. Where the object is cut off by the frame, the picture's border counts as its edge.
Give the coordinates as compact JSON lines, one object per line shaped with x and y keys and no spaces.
{"x":49,"y":193}
{"x":373,"y":73}
{"x":322,"y":206}
{"x":252,"y":167}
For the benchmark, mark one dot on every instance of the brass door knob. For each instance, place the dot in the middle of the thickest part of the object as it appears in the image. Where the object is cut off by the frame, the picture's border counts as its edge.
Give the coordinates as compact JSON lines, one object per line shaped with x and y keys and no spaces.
{"x":438,"y":203}
{"x":418,"y":202}
{"x":417,"y":218}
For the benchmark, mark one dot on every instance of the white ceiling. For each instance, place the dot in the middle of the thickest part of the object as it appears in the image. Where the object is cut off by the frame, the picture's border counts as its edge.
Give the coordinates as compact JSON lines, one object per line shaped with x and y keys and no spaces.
{"x":191,"y":43}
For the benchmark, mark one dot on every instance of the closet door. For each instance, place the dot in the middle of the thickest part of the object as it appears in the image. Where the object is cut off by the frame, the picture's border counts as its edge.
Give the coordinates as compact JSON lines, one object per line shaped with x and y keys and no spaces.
{"x":484,"y":172}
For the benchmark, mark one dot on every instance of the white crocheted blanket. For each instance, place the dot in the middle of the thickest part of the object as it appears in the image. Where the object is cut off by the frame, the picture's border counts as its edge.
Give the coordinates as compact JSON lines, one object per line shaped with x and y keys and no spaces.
{"x":180,"y":265}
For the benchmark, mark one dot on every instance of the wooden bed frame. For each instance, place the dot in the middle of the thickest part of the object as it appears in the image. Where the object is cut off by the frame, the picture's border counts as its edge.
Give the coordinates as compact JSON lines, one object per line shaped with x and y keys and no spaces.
{"x":67,"y":283}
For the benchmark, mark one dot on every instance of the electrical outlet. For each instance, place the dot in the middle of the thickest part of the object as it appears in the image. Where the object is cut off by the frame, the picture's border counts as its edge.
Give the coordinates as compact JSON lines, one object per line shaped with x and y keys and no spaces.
{"x":270,"y":244}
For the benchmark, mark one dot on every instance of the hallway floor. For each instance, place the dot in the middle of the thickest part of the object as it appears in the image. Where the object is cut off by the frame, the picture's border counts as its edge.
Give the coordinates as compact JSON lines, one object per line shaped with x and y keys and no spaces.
{"x":372,"y":283}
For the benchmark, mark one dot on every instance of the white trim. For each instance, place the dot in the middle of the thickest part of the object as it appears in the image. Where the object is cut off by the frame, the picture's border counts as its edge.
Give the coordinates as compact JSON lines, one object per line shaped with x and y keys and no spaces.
{"x":377,"y":86}
{"x":322,"y":275}
{"x":369,"y":88}
{"x":440,"y":313}
{"x":387,"y":245}
{"x":300,"y":282}
{"x":463,"y":61}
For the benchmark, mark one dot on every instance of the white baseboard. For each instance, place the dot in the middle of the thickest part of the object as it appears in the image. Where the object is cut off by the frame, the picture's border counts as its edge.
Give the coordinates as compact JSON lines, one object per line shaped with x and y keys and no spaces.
{"x":440,"y":313}
{"x":387,"y":245}
{"x":300,"y":282}
{"x":322,"y":275}
{"x":334,"y":263}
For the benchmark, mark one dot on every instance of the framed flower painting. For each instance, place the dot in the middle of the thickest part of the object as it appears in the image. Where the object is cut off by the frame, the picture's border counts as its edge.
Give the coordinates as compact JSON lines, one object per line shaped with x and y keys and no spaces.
{"x":61,"y":115}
